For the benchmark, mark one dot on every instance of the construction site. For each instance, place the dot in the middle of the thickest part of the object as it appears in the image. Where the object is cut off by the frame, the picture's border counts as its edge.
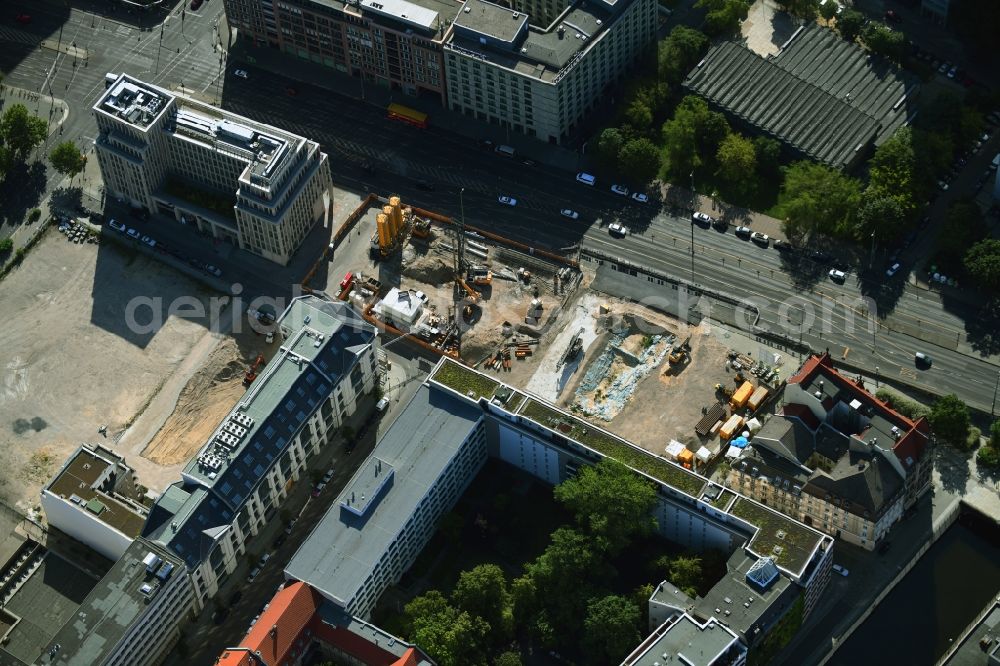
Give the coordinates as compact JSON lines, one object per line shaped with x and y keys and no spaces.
{"x":457,"y":290}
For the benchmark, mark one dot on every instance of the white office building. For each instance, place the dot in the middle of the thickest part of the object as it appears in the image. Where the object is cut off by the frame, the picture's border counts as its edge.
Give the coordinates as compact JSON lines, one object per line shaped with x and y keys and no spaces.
{"x":254,"y":185}
{"x":538,"y":68}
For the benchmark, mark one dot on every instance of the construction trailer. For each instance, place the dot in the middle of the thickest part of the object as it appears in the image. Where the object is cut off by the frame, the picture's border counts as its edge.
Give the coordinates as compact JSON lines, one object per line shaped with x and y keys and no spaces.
{"x":741,"y":395}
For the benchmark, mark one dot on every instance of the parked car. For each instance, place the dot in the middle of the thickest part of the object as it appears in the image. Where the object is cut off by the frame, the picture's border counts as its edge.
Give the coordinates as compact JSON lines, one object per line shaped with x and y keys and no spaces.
{"x":620,"y":189}
{"x":241,"y":73}
{"x":253,"y":574}
{"x":616,"y":229}
{"x":783,"y":245}
{"x":329,"y":473}
{"x":703,"y":219}
{"x":760,"y":238}
{"x":571,"y":214}
{"x":837,"y":275}
{"x":507,"y":201}
{"x":209,"y":268}
{"x":640,"y":197}
{"x":318,"y":489}
{"x":380,"y":406}
{"x":841,"y":570}
{"x":263,"y":560}
{"x":743,"y":232}
{"x":148,"y":241}
{"x":892,"y":270}
{"x":132,"y":232}
{"x":821,"y":256}
{"x":117,"y":226}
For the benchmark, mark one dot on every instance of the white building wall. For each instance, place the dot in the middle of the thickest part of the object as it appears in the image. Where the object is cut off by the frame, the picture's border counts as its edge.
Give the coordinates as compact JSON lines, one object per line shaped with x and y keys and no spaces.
{"x":84,"y":526}
{"x":529,"y":454}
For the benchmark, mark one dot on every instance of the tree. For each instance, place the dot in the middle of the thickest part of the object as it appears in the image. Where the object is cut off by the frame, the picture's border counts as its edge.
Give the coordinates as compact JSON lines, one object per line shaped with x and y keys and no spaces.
{"x":695,"y":130}
{"x":679,"y":52}
{"x":883,"y":40}
{"x":611,"y":502}
{"x":611,"y":629}
{"x":828,"y":10}
{"x":508,"y":659}
{"x":34,"y":215}
{"x":818,"y":200}
{"x":895,"y":172}
{"x":963,"y":227}
{"x":768,"y":153}
{"x":807,"y":9}
{"x":737,"y":160}
{"x":880,"y":215}
{"x":849,"y":24}
{"x":982,"y":262}
{"x":639,"y":116}
{"x":988,"y":456}
{"x":6,"y":245}
{"x":685,"y":572}
{"x":639,"y":159}
{"x":451,"y":637}
{"x":949,"y":420}
{"x":679,"y":143}
{"x":995,"y":434}
{"x":67,"y":159}
{"x":483,"y":591}
{"x":608,"y":145}
{"x":20,"y":131}
{"x":723,"y":16}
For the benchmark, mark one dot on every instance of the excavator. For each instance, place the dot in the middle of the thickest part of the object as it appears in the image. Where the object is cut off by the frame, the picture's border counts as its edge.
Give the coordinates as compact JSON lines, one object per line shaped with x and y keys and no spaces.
{"x":421,"y":227}
{"x":251,"y":373}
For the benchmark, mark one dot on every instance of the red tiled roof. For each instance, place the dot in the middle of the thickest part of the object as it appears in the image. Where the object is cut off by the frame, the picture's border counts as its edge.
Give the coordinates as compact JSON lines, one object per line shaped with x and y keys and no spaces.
{"x":279,"y":627}
{"x":913,"y":442}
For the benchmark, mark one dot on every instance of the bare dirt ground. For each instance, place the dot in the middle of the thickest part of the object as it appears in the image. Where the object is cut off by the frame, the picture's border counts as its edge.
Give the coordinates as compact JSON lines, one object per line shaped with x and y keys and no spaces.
{"x":206,"y":399}
{"x":69,"y":361}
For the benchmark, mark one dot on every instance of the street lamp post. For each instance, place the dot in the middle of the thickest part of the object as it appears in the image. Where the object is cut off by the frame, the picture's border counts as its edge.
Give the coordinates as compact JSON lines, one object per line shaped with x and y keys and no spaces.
{"x":995,"y":387}
{"x":871,"y":257}
{"x":694,"y":208}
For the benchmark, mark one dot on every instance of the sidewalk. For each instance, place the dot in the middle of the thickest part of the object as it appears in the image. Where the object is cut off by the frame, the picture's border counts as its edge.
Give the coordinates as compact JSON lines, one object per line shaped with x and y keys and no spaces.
{"x":442,"y":121}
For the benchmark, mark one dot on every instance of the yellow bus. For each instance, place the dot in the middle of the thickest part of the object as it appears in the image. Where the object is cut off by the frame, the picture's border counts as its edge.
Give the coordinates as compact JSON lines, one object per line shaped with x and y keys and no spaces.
{"x":407,"y":115}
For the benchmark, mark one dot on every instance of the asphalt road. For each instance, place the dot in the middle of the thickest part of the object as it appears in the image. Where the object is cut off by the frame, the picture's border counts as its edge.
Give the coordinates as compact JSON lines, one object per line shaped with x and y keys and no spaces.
{"x":357,"y":135}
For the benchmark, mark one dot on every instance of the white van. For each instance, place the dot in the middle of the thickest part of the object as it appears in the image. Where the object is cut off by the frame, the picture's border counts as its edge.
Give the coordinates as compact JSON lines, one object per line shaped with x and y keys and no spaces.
{"x":995,"y":163}
{"x":585,"y":178}
{"x":506,"y":151}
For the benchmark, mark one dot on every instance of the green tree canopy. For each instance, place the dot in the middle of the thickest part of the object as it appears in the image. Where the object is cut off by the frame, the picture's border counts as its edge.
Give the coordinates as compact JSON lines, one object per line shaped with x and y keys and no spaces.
{"x":881,"y":215}
{"x":737,"y":160}
{"x":807,"y":9}
{"x":818,"y":200}
{"x":828,"y":10}
{"x":768,"y":154}
{"x":608,"y":145}
{"x":685,"y":571}
{"x":883,"y":40}
{"x":67,"y":159}
{"x":849,"y":23}
{"x":694,"y":131}
{"x":611,"y":629}
{"x":639,"y":116}
{"x":20,"y":131}
{"x":963,"y":226}
{"x":639,"y":161}
{"x":611,"y":502}
{"x":950,"y":420}
{"x":723,"y":16}
{"x":896,"y":171}
{"x":508,"y":659}
{"x":450,"y":636}
{"x":482,"y":591}
{"x":679,"y":52}
{"x":982,"y":262}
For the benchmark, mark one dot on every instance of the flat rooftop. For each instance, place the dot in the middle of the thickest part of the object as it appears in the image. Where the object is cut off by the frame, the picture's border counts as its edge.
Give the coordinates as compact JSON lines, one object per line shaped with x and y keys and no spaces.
{"x":545,"y":51}
{"x":344,"y":547}
{"x":737,"y":604}
{"x":46,"y":601}
{"x":788,"y":541}
{"x":684,"y":640}
{"x":136,"y":102}
{"x":111,"y":607}
{"x":76,"y":481}
{"x":491,"y":20}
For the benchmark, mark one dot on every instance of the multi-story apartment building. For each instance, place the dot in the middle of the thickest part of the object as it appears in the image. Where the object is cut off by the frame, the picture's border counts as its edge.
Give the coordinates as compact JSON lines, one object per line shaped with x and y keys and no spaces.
{"x":387,"y":513}
{"x":132,"y":616}
{"x":251,"y":184}
{"x":209,"y":518}
{"x":535,"y":68}
{"x":94,"y":498}
{"x":391,"y":43}
{"x":540,"y":73}
{"x":836,"y":457}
